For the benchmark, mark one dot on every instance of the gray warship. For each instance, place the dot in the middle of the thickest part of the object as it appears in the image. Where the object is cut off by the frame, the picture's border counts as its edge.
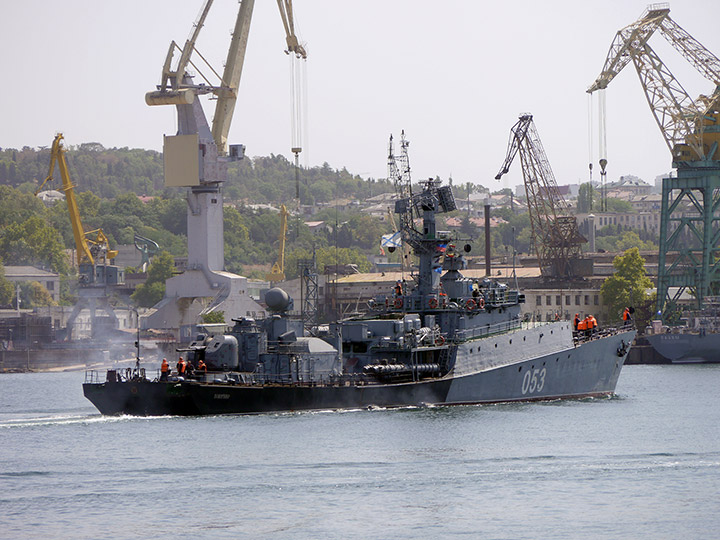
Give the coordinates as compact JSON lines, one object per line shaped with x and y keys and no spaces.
{"x":696,"y":341}
{"x":440,"y":339}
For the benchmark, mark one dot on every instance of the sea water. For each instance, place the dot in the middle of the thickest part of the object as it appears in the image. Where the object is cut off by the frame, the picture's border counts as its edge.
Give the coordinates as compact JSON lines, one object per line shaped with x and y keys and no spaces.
{"x":643,"y":465}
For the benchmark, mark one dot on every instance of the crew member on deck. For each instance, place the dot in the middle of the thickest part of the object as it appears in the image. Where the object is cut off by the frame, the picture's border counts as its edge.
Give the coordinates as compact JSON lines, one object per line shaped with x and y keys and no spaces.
{"x":627,"y":317}
{"x":576,"y":321}
{"x":201,"y":366}
{"x":164,"y":370}
{"x":398,"y":288}
{"x":181,"y":367}
{"x":592,"y":324}
{"x":582,"y":326}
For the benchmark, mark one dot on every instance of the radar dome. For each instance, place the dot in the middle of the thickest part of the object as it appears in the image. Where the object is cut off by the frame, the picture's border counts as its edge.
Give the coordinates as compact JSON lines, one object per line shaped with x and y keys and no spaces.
{"x":277,"y":299}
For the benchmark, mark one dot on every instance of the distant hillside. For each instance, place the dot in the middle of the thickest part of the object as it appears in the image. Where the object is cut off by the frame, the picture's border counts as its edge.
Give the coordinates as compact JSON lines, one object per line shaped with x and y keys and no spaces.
{"x":111,"y":172}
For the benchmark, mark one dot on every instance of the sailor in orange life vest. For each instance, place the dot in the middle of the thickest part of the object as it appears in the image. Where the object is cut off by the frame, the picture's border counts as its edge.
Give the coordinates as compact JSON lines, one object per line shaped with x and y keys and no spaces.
{"x":582,"y":325}
{"x":398,"y":288}
{"x":590,"y":325}
{"x":201,"y":366}
{"x":627,"y":317}
{"x":181,"y":367}
{"x":164,"y":370}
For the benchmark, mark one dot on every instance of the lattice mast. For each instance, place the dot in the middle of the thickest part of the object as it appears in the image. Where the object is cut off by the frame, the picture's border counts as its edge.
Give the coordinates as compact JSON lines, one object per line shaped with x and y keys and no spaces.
{"x":422,"y":208}
{"x":555,"y":232}
{"x":399,"y":172}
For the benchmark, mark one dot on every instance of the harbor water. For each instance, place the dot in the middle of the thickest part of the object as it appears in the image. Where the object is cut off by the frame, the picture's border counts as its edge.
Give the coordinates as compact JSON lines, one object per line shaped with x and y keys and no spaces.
{"x":644,"y":465}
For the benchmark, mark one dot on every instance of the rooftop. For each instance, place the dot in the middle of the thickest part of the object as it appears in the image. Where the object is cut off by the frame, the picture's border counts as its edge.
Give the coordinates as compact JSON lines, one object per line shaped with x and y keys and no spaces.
{"x":27,"y":271}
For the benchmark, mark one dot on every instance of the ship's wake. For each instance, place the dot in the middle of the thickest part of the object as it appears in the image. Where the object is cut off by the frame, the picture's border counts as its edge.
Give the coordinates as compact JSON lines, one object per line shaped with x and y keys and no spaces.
{"x":66,"y":419}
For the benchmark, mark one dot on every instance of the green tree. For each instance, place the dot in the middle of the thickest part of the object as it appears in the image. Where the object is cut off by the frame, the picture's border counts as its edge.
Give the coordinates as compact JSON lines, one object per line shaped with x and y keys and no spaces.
{"x":619,"y":206}
{"x":623,"y":240}
{"x":17,"y":207}
{"x":214,"y":317}
{"x":325,"y":256}
{"x":6,"y":289}
{"x":34,"y":242}
{"x":33,"y":294}
{"x":585,"y":198}
{"x":628,"y":284}
{"x":152,"y":291}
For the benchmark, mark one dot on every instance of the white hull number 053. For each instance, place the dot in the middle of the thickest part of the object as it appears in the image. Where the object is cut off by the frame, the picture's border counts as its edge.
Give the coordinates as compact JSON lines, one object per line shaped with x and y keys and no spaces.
{"x":533,"y":381}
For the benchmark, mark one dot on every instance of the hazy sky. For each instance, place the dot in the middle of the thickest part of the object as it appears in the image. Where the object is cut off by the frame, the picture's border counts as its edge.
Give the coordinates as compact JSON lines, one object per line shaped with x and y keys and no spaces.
{"x":453,"y":74}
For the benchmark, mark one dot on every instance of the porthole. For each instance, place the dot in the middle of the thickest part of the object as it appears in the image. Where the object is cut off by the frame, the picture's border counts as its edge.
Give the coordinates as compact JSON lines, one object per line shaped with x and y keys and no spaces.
{"x":496,"y":345}
{"x":519,"y":368}
{"x":511,"y":342}
{"x":523,"y":338}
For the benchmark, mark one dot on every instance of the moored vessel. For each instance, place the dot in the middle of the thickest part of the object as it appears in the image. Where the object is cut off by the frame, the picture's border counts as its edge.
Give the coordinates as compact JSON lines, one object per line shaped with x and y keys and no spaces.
{"x":696,"y":341}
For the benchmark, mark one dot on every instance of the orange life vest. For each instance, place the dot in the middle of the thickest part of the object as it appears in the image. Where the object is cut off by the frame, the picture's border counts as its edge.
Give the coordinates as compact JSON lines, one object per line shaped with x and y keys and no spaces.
{"x":582,"y":325}
{"x":164,"y":366}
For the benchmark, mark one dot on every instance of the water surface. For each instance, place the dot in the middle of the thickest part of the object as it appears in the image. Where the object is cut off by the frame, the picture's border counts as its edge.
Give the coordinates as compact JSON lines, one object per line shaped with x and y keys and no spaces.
{"x":645,"y":464}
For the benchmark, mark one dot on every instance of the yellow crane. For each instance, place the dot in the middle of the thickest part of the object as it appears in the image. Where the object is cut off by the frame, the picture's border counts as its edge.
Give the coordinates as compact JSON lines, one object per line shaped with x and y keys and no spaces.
{"x":92,"y":248}
{"x":90,"y":245}
{"x":277,"y":273}
{"x":689,"y":250}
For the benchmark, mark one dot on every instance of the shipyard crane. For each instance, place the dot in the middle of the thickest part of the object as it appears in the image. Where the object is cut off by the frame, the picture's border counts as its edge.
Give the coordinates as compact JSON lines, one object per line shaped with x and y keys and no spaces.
{"x":197,"y":157}
{"x":277,"y":272}
{"x":690,"y":223}
{"x":90,"y":246}
{"x":95,"y":273}
{"x":555,"y":232}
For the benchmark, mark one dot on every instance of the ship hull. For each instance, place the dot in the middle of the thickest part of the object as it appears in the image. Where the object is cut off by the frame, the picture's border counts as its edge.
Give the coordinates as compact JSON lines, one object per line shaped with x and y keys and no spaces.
{"x":588,"y":370}
{"x":687,"y":347}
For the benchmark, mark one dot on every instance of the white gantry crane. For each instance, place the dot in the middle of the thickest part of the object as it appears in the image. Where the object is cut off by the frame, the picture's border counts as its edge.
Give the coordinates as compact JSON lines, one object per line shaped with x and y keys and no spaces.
{"x":197,"y":156}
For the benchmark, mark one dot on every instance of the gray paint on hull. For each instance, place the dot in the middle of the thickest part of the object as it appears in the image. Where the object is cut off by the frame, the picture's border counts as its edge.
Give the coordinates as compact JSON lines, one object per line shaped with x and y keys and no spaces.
{"x":592,"y":369}
{"x":687,"y":347}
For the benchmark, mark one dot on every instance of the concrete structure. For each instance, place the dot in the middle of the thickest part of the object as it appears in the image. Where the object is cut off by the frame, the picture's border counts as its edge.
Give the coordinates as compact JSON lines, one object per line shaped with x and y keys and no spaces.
{"x":27,"y":274}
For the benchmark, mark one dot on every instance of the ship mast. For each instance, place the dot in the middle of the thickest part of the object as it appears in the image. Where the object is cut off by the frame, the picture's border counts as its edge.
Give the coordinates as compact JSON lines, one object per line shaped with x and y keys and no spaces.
{"x":431,"y":200}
